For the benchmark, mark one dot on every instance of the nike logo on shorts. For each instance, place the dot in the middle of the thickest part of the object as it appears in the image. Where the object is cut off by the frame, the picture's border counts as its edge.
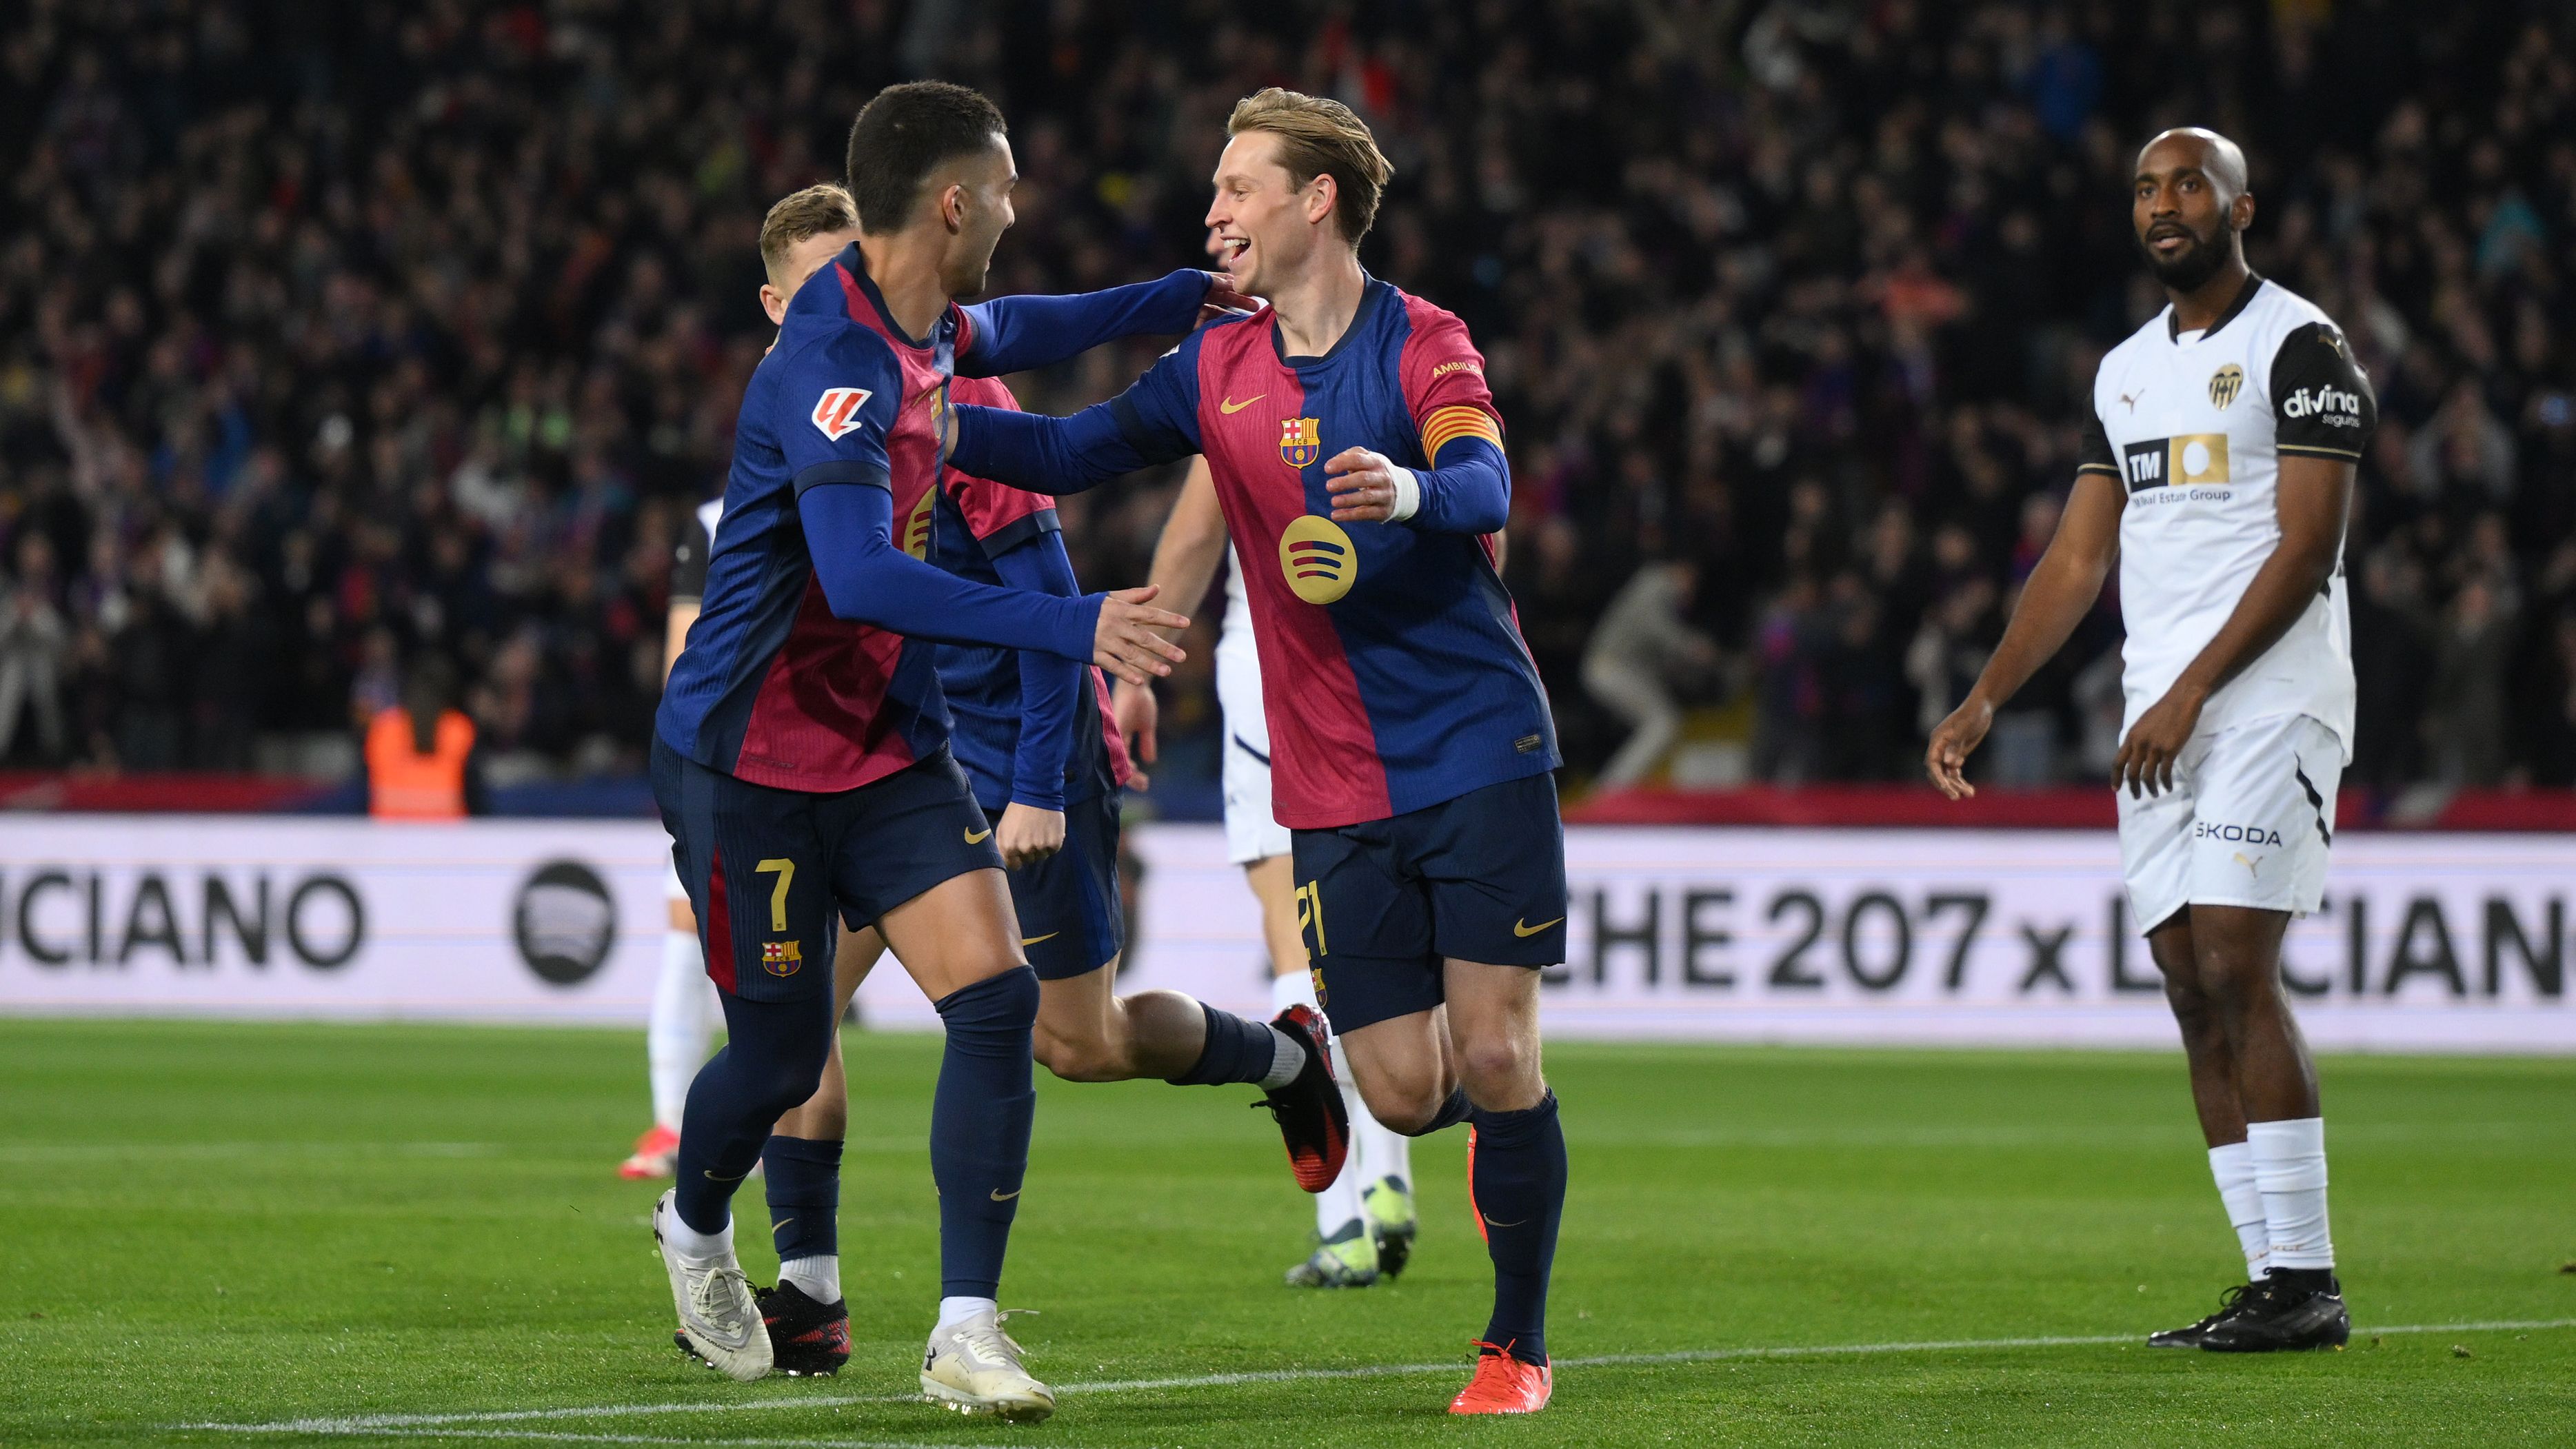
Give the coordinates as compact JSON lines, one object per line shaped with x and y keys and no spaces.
{"x":978,"y":837}
{"x":1001,"y":1196}
{"x":1526,"y":932}
{"x":1033,"y":940}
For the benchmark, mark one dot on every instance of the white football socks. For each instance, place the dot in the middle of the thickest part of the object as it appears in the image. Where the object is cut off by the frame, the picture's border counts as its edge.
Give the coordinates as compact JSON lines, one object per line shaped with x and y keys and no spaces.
{"x":955,"y":1311}
{"x":817,"y":1277}
{"x":693,"y":1245}
{"x":1297,"y":988}
{"x":676,"y":1033}
{"x":2290,"y":1169}
{"x":1287,"y":1059}
{"x":2233,"y":1167}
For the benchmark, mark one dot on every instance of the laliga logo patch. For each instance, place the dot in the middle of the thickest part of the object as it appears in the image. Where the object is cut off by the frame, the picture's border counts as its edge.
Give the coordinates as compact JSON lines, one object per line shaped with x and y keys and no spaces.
{"x":1301,"y":441}
{"x":782,"y":958}
{"x":838,"y":411}
{"x":1317,"y":558}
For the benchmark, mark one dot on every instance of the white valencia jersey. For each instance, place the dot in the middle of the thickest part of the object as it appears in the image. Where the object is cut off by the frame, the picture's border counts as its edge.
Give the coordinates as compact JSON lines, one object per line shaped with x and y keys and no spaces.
{"x":2194,"y":428}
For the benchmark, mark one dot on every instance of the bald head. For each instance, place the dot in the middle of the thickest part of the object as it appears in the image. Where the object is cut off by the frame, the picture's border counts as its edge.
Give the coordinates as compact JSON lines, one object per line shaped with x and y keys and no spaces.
{"x":2189,"y":205}
{"x":2198,"y":147}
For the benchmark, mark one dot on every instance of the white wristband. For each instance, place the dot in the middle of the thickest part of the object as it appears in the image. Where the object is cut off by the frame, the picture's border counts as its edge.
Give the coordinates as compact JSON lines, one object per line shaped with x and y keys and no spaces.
{"x":1408,"y":494}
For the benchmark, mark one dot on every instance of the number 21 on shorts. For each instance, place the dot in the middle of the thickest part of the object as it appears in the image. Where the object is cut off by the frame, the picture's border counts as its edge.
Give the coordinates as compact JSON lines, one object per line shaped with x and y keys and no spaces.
{"x":1310,"y":911}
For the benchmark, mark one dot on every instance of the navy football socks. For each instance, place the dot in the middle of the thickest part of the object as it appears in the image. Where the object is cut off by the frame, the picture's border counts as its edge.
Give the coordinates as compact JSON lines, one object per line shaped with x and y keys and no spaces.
{"x":1236,"y":1051}
{"x":979,"y":1127}
{"x":804,"y":1182}
{"x":1518,"y":1182}
{"x":1452,"y":1112}
{"x":772,"y":1061}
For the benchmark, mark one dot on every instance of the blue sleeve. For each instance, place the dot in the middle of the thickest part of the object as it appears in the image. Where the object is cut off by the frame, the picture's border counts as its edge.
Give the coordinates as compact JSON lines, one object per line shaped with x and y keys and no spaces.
{"x":1052,"y":691}
{"x":849,"y":529}
{"x":836,"y":396}
{"x":1156,"y":420}
{"x":1014,"y":334}
{"x":1471,"y":492}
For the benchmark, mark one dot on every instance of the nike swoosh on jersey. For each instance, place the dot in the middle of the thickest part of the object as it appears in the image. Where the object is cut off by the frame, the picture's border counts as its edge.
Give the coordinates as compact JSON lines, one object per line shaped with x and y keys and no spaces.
{"x":1001,"y":1196}
{"x":978,"y":837}
{"x":1527,"y":931}
{"x":1230,"y":407}
{"x":1033,"y":940}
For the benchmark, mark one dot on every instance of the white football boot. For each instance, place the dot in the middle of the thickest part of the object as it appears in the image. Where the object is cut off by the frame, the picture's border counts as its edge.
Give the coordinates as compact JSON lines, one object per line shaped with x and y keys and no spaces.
{"x":717,"y":1311}
{"x":974,"y":1368}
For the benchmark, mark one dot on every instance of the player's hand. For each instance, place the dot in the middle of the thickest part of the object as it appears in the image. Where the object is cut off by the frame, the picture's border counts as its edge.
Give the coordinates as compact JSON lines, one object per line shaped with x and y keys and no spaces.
{"x":1223,"y":300}
{"x":1363,"y":486}
{"x":2146,"y":758}
{"x":1028,"y":834}
{"x":1125,"y":642}
{"x":1137,"y":713}
{"x":1953,"y":740}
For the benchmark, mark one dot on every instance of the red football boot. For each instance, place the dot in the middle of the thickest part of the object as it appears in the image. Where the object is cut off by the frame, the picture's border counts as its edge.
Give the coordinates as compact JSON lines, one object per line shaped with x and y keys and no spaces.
{"x":1504,"y":1385}
{"x":1309,"y":1110}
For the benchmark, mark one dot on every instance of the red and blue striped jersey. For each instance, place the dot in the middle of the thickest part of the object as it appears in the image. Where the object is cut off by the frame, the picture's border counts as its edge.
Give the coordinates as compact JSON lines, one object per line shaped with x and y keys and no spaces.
{"x":975,"y":522}
{"x":1393,"y":673}
{"x":772,"y":688}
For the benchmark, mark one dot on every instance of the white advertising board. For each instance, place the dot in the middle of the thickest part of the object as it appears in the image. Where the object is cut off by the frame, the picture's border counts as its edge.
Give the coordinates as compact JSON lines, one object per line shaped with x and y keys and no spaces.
{"x":330,"y":917}
{"x":2428,"y":942}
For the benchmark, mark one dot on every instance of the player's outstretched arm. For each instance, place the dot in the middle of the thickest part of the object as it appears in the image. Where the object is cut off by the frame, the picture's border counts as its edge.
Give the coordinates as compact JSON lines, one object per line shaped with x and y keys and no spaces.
{"x":849,"y":529}
{"x":1185,"y":559}
{"x":1015,"y":334}
{"x":2057,"y":596}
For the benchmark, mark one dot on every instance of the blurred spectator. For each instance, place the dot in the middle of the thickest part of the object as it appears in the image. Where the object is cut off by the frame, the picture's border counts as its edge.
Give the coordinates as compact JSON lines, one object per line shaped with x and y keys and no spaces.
{"x":33,"y":645}
{"x":1643,"y":644}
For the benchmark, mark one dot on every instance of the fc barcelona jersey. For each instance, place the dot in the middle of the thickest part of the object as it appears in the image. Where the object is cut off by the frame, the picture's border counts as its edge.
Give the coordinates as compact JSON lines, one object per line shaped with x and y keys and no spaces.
{"x":1393,"y":673}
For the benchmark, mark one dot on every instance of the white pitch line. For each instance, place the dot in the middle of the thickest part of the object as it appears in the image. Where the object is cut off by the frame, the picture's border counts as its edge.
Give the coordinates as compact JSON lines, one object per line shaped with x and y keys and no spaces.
{"x":434,"y":1425}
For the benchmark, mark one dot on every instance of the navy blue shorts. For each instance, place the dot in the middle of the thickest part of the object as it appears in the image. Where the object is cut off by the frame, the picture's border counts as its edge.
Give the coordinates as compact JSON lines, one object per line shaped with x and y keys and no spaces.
{"x":1382,"y":905}
{"x":1070,"y":921}
{"x":766,"y":869}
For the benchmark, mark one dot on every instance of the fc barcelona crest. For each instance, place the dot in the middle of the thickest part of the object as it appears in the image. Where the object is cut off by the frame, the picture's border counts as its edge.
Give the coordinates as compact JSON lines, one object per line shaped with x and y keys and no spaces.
{"x":782,"y":958}
{"x":1301,"y":441}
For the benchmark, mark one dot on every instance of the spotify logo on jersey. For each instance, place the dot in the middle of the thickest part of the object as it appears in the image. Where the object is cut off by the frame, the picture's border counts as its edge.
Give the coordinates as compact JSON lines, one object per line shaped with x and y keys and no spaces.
{"x":1317,"y":558}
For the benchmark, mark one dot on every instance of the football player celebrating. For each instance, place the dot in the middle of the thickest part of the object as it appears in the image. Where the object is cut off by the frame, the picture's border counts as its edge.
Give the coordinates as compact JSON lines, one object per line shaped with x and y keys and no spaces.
{"x":801,"y":233}
{"x":1359,"y":464}
{"x":800,"y":759}
{"x":2218,"y":473}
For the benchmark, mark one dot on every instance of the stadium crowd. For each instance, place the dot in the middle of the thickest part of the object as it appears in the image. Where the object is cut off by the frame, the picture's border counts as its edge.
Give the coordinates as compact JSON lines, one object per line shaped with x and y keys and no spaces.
{"x":334,"y":337}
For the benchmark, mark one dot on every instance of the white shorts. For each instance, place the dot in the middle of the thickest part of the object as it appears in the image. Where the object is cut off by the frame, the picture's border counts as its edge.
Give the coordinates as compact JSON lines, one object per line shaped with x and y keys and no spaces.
{"x":1251,"y":831}
{"x":2248,"y":823}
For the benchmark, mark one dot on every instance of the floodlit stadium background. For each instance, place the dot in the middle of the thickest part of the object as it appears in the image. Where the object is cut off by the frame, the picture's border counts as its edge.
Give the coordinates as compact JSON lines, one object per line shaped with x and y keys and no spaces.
{"x":334,"y":338}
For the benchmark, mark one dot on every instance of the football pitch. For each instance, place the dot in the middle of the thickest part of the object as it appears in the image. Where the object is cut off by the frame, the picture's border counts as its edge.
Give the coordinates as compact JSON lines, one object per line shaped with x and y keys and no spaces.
{"x":257,"y":1235}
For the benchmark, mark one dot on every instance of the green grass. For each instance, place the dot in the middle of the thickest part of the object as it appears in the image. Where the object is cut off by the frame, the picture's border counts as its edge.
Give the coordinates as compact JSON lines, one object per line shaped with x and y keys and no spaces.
{"x":254,"y":1223}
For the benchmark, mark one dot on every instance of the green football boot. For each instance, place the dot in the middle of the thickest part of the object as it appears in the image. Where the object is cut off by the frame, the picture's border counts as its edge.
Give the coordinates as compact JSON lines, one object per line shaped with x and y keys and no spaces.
{"x":1347,"y":1259}
{"x":1389,"y":1204}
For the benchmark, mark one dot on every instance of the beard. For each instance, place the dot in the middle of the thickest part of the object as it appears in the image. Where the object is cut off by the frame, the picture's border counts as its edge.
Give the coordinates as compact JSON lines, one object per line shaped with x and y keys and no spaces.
{"x":2196,"y":265}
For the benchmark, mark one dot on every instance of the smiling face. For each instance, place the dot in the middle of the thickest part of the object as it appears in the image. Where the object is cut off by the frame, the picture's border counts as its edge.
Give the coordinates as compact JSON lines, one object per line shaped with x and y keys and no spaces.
{"x":975,"y":192}
{"x":1263,"y":227}
{"x":2187,"y":205}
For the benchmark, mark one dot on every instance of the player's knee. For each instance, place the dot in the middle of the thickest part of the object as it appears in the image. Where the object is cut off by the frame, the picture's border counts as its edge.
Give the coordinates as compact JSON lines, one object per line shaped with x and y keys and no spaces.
{"x":2190,"y":1005}
{"x":1497,"y":1068}
{"x":1079,"y":1057}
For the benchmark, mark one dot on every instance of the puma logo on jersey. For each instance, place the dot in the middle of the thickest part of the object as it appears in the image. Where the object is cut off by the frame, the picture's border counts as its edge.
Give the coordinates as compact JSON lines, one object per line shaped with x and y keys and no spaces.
{"x":838,"y":410}
{"x":2131,"y":398}
{"x":2329,"y":405}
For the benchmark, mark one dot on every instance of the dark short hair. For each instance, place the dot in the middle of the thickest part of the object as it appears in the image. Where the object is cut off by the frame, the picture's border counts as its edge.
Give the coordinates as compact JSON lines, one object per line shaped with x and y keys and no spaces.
{"x":905,"y":132}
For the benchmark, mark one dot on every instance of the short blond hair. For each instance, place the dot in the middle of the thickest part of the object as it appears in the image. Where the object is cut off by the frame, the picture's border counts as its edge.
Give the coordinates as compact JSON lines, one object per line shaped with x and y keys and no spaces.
{"x":1319,"y":136}
{"x":801,"y":216}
